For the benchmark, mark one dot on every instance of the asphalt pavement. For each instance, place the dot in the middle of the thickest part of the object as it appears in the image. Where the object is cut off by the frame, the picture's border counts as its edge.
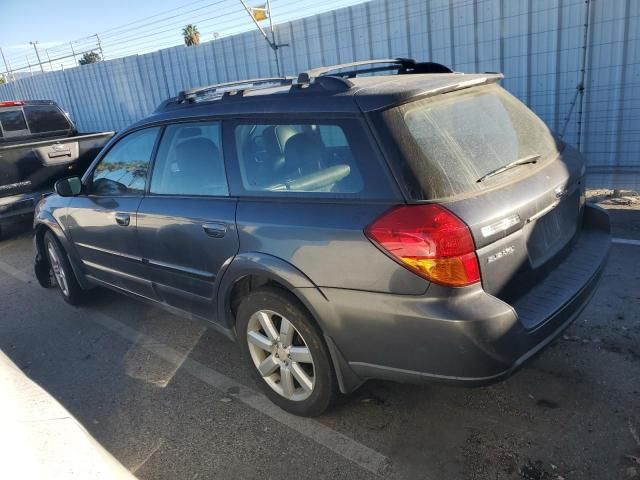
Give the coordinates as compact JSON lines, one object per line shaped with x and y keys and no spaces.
{"x":172,"y":400}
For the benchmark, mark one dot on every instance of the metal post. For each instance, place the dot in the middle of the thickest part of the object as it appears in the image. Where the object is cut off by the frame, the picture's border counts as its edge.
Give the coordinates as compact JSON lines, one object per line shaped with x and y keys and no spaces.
{"x":6,"y":65}
{"x":49,"y":58}
{"x":35,"y":47}
{"x":73,"y":52}
{"x":583,"y":71}
{"x":270,"y":41}
{"x":100,"y":47}
{"x":275,"y":46}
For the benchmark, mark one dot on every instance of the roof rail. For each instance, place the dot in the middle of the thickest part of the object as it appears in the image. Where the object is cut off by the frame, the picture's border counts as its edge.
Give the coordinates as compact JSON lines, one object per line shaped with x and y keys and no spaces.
{"x":231,"y":88}
{"x":402,"y":65}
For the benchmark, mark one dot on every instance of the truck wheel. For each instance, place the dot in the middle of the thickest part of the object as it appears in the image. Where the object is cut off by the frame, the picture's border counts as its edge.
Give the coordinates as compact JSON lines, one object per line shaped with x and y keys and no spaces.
{"x":62,"y":272}
{"x":286,"y":352}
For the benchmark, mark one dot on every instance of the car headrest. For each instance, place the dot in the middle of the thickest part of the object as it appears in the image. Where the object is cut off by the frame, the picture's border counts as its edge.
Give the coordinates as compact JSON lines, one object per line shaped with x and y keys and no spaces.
{"x":304,"y":154}
{"x":198,"y":156}
{"x":189,"y":132}
{"x":275,"y":138}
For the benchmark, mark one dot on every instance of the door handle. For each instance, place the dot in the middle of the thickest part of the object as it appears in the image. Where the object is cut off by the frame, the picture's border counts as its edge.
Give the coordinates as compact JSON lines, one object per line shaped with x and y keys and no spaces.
{"x":215,"y":229}
{"x":123,"y":219}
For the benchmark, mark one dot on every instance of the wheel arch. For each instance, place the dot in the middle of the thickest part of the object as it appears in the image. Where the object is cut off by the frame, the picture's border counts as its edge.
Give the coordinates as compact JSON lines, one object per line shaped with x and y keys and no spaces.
{"x":45,"y":222}
{"x":248,"y":271}
{"x":251,"y":270}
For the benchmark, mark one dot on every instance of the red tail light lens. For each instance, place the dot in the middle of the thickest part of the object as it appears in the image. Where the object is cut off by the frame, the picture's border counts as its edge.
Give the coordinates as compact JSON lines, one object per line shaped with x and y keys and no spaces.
{"x":429,"y":240}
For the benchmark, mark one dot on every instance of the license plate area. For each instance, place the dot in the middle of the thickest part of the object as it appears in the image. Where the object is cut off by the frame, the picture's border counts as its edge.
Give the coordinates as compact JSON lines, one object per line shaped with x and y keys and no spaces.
{"x":551,"y":232}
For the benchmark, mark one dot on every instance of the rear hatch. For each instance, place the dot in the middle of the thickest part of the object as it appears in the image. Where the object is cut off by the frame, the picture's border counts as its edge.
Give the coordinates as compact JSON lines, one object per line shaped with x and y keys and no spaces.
{"x":487,"y":158}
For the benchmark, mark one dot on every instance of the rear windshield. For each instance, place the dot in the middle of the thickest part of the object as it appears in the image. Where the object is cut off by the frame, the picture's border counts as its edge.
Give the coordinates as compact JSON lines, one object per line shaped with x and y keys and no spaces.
{"x":449,"y":142}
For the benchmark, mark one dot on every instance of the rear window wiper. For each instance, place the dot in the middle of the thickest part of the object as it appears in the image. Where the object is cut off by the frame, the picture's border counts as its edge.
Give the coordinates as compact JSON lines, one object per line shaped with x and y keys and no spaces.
{"x":521,"y":161}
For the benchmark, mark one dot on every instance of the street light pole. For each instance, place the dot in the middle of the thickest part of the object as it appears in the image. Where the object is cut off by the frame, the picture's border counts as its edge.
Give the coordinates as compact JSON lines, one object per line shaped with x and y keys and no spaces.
{"x":37,"y":54}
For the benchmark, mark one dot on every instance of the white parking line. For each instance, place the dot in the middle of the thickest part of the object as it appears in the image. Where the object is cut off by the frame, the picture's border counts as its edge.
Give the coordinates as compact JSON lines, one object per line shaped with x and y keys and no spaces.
{"x":344,"y":446}
{"x":625,"y":241}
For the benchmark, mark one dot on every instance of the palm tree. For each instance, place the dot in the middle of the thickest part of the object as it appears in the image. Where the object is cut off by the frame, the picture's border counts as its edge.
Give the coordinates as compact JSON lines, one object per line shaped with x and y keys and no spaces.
{"x":191,"y":35}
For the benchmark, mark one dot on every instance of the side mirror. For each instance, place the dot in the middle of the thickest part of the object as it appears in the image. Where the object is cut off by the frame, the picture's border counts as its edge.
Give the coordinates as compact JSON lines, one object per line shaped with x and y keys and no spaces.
{"x":68,"y":187}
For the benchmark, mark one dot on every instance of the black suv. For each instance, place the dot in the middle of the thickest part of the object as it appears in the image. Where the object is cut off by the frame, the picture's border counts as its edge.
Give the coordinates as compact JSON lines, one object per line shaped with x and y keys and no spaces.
{"x":414,"y":225}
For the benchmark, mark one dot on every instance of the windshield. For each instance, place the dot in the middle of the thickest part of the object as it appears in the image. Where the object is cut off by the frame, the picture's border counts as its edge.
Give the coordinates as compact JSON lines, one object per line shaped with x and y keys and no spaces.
{"x":453,"y":140}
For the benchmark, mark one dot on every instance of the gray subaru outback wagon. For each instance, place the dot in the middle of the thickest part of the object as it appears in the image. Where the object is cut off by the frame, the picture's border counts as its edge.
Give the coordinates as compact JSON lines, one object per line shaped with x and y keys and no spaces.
{"x":414,"y":224}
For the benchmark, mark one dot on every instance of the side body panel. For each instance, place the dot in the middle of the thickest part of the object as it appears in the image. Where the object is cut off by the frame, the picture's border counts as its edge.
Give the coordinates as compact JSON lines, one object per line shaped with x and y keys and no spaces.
{"x":185,"y":243}
{"x":326,"y":241}
{"x":109,"y":250}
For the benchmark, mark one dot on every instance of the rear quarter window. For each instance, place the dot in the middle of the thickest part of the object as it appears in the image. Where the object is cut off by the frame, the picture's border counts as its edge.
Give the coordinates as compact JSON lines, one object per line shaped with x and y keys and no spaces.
{"x":329,"y":159}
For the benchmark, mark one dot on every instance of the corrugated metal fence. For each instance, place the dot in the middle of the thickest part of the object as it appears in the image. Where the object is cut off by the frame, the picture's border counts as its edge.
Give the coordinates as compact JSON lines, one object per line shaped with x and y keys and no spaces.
{"x":547,"y":50}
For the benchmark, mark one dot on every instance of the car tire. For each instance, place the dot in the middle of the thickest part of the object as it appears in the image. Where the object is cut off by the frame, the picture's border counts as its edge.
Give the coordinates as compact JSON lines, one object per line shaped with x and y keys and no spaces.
{"x":63,"y":274}
{"x":290,"y":362}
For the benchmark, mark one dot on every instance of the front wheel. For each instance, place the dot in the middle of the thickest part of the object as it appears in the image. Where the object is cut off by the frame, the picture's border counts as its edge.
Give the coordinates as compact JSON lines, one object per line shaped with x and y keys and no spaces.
{"x":286,"y":352}
{"x":61,"y":269}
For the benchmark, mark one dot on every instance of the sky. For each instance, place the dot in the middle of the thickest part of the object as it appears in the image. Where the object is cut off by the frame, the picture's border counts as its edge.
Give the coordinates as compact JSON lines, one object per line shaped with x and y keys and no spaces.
{"x":125,"y":27}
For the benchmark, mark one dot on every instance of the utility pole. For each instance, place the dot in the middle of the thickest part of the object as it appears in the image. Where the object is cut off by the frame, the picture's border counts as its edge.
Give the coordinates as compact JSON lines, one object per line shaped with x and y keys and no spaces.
{"x":266,"y":11}
{"x":35,"y":47}
{"x":273,"y":38}
{"x":73,"y":52}
{"x":100,"y":47}
{"x":6,"y":65}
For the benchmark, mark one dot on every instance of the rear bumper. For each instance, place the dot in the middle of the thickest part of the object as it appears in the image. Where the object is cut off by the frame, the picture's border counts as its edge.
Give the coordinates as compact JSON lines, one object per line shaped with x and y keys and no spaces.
{"x":20,"y":206}
{"x":464,"y":335}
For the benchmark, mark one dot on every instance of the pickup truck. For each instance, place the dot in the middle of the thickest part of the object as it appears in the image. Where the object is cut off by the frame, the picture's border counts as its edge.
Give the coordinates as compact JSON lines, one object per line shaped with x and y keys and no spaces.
{"x":39,"y":144}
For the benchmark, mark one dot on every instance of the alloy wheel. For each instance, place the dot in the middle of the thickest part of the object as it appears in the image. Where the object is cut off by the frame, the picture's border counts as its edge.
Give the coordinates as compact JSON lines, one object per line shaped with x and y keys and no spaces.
{"x":281,"y":355}
{"x":58,"y":271}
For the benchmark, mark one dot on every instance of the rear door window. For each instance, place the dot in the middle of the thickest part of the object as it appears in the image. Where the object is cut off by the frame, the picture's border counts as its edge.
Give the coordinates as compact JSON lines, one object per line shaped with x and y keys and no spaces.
{"x":123,"y":170}
{"x":189,"y":161}
{"x":45,"y":118}
{"x":332,"y":159}
{"x":12,"y":122}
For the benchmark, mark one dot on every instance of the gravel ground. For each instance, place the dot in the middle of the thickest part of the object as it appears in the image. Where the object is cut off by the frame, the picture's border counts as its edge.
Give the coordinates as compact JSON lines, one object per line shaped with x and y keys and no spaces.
{"x":149,"y":387}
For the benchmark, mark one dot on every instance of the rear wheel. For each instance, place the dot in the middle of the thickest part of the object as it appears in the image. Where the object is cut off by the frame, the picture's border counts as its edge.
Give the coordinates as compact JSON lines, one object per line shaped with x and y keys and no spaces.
{"x":61,"y":269}
{"x":286,"y":352}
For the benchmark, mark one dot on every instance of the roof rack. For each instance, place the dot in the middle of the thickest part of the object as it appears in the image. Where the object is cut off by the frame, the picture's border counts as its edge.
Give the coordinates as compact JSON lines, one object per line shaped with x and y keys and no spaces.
{"x":334,"y":77}
{"x":402,"y":65}
{"x":230,"y":88}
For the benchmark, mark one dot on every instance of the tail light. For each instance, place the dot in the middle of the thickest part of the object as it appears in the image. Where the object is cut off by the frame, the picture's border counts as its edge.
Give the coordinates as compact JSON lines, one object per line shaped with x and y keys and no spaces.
{"x":430,"y":241}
